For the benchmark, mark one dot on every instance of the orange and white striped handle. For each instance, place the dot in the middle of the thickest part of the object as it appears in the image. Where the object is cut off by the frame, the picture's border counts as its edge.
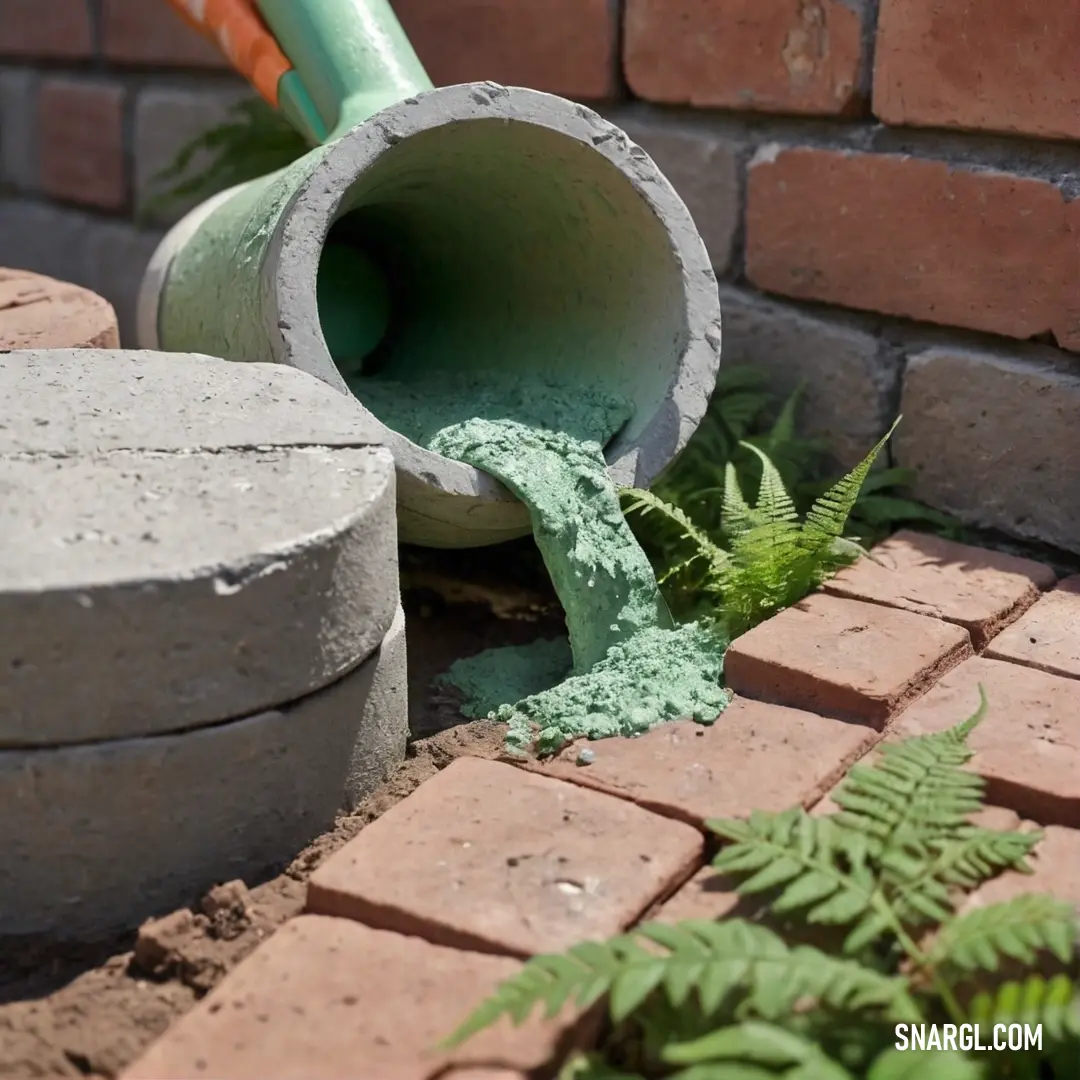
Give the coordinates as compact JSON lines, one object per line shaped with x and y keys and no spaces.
{"x":238,"y":30}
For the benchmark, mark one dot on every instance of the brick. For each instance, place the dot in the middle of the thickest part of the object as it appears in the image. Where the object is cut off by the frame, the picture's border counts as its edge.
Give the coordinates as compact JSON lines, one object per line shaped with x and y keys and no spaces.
{"x":489,"y":857}
{"x":922,"y":239}
{"x":982,"y":591}
{"x":327,"y":998}
{"x":137,"y":32}
{"x":40,"y":313}
{"x":166,"y":120}
{"x":704,"y":170}
{"x":755,"y":757}
{"x":766,"y":55}
{"x":46,"y":28}
{"x":707,"y":895}
{"x":106,"y":256}
{"x":565,"y":47}
{"x":18,"y":130}
{"x":835,"y":358}
{"x":932,"y":61}
{"x":1047,"y":636}
{"x":82,"y":142}
{"x":992,"y":438}
{"x":1026,"y":745}
{"x":843,"y":658}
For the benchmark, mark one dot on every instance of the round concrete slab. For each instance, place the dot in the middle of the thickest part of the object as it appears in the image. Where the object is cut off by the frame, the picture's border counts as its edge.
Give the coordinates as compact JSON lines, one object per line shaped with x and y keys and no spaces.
{"x":384,"y":730}
{"x":40,"y":312}
{"x":103,"y":836}
{"x":197,"y":574}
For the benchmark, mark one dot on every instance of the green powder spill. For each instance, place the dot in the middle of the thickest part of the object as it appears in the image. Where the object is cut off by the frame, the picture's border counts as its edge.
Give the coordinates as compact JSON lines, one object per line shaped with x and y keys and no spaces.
{"x":628,"y":668}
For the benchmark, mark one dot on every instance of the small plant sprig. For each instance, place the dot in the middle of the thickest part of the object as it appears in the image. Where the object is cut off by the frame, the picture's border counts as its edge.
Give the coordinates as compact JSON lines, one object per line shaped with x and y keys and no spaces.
{"x":771,"y":559}
{"x":881,"y":880}
{"x":681,"y":520}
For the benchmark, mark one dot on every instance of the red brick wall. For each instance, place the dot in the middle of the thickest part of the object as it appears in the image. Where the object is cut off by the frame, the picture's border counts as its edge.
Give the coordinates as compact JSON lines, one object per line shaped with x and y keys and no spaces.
{"x":886,"y":188}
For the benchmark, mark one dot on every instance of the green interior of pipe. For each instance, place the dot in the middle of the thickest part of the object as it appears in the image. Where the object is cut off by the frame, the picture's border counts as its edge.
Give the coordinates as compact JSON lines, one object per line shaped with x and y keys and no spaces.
{"x":518,"y":311}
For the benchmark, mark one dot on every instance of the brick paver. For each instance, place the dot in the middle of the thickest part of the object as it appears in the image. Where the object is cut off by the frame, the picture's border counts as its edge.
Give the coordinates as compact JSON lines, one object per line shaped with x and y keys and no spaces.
{"x":491,"y":857}
{"x":844,"y":658}
{"x":707,"y":895}
{"x":1026,"y":746}
{"x":755,"y":756}
{"x":329,"y":998}
{"x":982,"y":591}
{"x":1047,"y":636}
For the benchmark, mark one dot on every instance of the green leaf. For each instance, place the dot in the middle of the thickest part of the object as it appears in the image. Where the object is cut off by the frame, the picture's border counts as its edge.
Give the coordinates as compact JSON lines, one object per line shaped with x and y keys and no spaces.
{"x":1054,"y":1003}
{"x":1017,"y":929}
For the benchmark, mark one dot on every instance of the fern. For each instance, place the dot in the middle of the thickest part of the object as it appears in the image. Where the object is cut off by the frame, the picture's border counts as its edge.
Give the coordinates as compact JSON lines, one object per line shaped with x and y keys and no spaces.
{"x":1018,"y":929}
{"x":733,"y":1000}
{"x":772,"y":560}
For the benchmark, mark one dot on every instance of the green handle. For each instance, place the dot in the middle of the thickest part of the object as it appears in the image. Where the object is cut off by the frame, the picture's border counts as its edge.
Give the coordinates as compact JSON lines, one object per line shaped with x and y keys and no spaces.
{"x":352,"y":56}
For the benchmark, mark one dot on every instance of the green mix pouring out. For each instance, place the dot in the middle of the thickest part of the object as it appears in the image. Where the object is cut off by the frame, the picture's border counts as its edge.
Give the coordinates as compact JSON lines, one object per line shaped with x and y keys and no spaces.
{"x":626,"y":666}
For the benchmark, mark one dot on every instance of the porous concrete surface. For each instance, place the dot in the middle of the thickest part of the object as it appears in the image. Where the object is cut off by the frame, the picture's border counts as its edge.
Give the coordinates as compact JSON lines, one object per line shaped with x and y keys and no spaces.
{"x":183,"y":541}
{"x":104,"y":835}
{"x":384,"y":729}
{"x":650,"y":311}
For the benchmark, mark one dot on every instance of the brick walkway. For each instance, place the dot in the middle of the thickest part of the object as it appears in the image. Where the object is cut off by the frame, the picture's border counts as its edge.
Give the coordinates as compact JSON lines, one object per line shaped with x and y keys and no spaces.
{"x":430,"y":906}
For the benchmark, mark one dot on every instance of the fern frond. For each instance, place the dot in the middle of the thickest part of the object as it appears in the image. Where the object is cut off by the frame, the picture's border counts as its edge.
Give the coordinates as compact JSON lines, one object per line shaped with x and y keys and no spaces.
{"x":773,"y":502}
{"x":1054,"y":1003}
{"x":646,"y":502}
{"x":826,"y":519}
{"x":922,"y":879}
{"x":710,"y":961}
{"x":811,"y":863}
{"x":1017,"y":929}
{"x":736,"y":514}
{"x":915,"y":789}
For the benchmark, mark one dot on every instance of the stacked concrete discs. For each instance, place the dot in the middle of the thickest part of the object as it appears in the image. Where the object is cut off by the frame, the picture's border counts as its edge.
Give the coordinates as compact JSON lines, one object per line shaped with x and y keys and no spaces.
{"x":202,"y":652}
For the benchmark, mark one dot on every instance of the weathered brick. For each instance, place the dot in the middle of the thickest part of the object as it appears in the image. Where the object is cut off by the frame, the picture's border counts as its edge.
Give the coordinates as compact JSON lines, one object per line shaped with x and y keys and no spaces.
{"x":1025,"y":746}
{"x":106,"y":256}
{"x":1047,"y":636}
{"x":704,"y":170}
{"x":565,"y":47}
{"x":844,"y":658}
{"x":904,"y":236}
{"x":836,"y":360}
{"x":138,"y":32}
{"x":991,"y":64}
{"x":707,"y":895}
{"x":82,"y":142}
{"x":166,"y":120}
{"x":328,"y":998}
{"x":993,"y":440}
{"x":463,"y":857}
{"x":755,"y":757}
{"x":767,"y":55}
{"x":41,"y":313}
{"x":982,"y":591}
{"x":46,"y":28}
{"x":18,"y":128}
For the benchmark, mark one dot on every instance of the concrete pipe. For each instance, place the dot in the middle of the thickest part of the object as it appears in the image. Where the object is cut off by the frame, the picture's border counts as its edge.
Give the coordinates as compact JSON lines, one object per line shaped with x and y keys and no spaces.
{"x":470,"y":227}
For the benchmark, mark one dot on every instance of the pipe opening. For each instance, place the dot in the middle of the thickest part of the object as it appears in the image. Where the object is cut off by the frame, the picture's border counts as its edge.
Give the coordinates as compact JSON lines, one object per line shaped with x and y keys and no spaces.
{"x":496,"y":245}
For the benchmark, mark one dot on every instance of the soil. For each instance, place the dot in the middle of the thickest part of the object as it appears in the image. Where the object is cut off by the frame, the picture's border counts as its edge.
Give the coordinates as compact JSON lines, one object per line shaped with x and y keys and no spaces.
{"x":89,"y":1008}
